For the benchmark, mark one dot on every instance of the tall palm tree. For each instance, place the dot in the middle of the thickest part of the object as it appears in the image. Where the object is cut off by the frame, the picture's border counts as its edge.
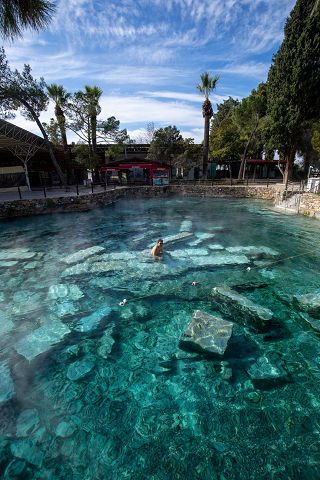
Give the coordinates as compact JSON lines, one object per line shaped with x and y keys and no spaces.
{"x":93,"y":95}
{"x":17,"y":15}
{"x":207,"y":85}
{"x":60,"y":97}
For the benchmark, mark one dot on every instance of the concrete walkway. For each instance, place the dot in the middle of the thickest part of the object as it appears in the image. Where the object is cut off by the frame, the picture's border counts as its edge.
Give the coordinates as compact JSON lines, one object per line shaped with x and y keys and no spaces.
{"x":70,"y":191}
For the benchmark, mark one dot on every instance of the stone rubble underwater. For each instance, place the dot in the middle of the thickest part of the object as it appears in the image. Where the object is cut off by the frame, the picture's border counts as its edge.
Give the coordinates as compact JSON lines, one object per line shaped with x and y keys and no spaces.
{"x":207,"y":370}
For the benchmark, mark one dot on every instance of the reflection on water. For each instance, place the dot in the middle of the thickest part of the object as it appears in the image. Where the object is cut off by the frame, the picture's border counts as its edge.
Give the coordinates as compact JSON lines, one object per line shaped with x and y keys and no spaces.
{"x":95,"y":387}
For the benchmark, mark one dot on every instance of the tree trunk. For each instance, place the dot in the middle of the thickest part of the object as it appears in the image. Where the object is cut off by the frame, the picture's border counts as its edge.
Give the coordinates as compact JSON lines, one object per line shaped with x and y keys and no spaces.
{"x":290,"y":155}
{"x":253,"y":131}
{"x":62,"y":127}
{"x":205,"y":146}
{"x":93,"y":122}
{"x":47,"y":142}
{"x":25,"y":166}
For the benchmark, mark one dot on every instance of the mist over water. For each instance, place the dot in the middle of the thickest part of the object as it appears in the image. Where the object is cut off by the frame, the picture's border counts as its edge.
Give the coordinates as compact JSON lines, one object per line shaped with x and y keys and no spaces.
{"x":90,"y":389}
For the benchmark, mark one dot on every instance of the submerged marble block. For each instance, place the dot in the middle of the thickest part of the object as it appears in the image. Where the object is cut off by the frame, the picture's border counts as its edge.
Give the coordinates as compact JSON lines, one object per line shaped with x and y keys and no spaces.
{"x":204,"y":235}
{"x":91,"y":322}
{"x":61,"y":290}
{"x":16,"y":254}
{"x":309,"y":301}
{"x":82,"y":254}
{"x":25,"y":301}
{"x":80,"y":369}
{"x":216,"y":246}
{"x":8,"y":263}
{"x":216,"y":259}
{"x":186,"y":226}
{"x":7,"y":390}
{"x":27,"y":422}
{"x":27,"y":450}
{"x":6,"y":325}
{"x":313,"y":322}
{"x":268,"y":371}
{"x":207,"y":333}
{"x":176,"y":238}
{"x":189,"y":252}
{"x":251,"y":311}
{"x":41,"y":340}
{"x":253,"y":250}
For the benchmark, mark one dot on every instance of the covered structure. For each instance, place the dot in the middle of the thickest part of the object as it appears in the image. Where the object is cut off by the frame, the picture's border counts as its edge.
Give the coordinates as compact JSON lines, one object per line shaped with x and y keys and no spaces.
{"x":135,"y":171}
{"x":24,"y":158}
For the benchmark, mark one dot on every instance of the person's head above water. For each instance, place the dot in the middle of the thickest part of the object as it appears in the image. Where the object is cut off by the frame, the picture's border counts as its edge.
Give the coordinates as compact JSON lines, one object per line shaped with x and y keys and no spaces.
{"x":158,"y":248}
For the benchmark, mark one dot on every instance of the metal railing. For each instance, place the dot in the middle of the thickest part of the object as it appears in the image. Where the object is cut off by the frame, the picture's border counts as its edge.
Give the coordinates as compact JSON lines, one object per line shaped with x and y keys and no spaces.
{"x":226,"y":181}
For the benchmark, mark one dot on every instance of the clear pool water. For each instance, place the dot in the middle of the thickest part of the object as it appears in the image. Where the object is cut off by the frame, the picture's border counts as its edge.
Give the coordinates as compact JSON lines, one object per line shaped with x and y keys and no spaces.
{"x":90,"y":389}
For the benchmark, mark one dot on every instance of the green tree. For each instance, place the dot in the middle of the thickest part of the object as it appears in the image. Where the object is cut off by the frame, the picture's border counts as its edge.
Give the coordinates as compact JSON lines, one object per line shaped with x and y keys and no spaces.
{"x":315,"y":139}
{"x":306,"y":149}
{"x":20,"y":91}
{"x":167,"y":144}
{"x":293,"y":81}
{"x":17,"y":15}
{"x":190,"y":157}
{"x":82,"y":112}
{"x":248,"y":115}
{"x":60,"y":97}
{"x":206,"y":87}
{"x":84,"y":158}
{"x":53,"y":131}
{"x":93,"y":95}
{"x":225,"y":140}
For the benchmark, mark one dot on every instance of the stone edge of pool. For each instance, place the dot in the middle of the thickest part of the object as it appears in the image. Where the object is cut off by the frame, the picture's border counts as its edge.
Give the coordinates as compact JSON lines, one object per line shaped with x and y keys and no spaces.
{"x":309,"y":205}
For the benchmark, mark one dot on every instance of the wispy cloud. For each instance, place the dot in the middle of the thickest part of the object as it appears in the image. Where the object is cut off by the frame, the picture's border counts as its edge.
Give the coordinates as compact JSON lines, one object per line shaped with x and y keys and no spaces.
{"x":251,"y":69}
{"x":178,"y":23}
{"x":185,"y":97}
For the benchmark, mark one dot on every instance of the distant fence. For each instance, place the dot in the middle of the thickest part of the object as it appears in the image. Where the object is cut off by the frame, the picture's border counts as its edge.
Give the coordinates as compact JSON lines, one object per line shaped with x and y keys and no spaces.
{"x":99,"y":187}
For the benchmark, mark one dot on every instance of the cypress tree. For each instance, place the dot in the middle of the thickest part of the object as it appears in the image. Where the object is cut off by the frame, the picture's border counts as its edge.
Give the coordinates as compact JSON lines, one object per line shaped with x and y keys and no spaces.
{"x":294,"y":80}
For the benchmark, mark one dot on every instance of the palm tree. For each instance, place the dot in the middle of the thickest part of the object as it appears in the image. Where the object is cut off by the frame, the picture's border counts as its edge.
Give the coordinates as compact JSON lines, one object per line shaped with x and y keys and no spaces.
{"x":207,"y":85}
{"x":60,"y":97}
{"x":93,"y":95}
{"x":16,"y":15}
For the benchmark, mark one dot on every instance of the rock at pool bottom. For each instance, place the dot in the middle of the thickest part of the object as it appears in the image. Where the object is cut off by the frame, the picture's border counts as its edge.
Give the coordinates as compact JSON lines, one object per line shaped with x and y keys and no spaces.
{"x":252,"y":313}
{"x":41,"y":340}
{"x":7,"y":390}
{"x":207,"y":333}
{"x":82,"y":254}
{"x":91,"y":322}
{"x":309,"y":302}
{"x":268,"y":371}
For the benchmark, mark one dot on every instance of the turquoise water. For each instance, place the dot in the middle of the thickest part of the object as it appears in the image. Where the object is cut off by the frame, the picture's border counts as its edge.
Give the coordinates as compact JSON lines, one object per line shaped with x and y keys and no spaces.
{"x":90,"y":389}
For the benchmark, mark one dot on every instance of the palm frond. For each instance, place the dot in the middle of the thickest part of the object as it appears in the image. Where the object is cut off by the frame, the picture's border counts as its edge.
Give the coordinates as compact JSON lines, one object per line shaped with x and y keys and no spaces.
{"x":17,"y":15}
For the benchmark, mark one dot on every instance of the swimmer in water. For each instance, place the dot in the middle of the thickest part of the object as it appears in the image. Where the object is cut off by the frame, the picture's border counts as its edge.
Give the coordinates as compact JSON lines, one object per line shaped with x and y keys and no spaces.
{"x":157,"y":250}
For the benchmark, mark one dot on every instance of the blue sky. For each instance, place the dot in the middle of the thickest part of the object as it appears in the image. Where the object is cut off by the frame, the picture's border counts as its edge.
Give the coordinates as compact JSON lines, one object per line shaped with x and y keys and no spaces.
{"x":147,"y":55}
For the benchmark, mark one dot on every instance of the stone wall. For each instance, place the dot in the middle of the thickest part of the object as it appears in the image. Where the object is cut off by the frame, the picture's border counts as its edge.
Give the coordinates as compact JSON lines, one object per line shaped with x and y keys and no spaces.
{"x":310,"y":205}
{"x":19,"y":208}
{"x":22,"y":208}
{"x":217,"y":191}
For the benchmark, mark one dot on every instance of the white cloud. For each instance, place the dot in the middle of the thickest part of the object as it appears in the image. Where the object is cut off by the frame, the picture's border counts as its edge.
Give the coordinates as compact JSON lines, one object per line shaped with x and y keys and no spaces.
{"x":134,"y":113}
{"x":250,"y":69}
{"x":258,"y":24}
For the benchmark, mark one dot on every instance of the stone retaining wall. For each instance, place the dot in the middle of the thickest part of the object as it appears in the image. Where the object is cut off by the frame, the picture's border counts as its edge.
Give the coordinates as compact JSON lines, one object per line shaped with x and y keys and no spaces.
{"x":19,"y":208}
{"x":310,"y":205}
{"x":264,"y":192}
{"x":22,"y":208}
